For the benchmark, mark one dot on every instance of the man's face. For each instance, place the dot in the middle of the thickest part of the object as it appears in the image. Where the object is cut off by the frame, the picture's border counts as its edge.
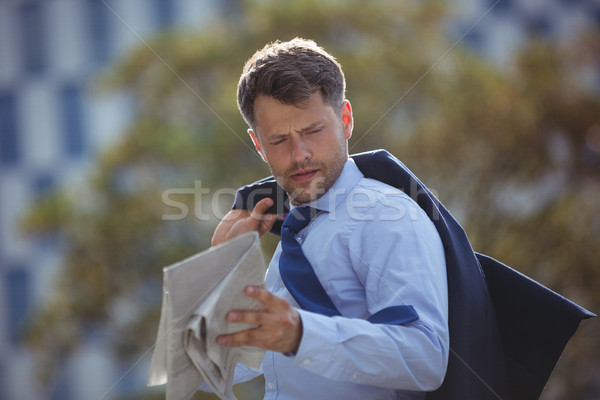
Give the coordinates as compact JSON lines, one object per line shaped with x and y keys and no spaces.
{"x":306,"y":148}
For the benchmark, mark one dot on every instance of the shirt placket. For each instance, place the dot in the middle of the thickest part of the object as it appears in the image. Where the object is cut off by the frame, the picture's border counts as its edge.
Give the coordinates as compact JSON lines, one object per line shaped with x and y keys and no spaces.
{"x":271,"y":384}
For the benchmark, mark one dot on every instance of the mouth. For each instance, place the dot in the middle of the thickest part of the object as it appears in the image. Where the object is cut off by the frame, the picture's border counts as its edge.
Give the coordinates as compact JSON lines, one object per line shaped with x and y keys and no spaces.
{"x":304,"y":175}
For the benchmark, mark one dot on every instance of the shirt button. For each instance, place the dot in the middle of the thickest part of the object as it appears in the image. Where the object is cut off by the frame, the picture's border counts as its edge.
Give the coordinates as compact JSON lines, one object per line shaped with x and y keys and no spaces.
{"x":306,"y":362}
{"x":300,"y":240}
{"x":354,"y":376}
{"x":271,"y":386}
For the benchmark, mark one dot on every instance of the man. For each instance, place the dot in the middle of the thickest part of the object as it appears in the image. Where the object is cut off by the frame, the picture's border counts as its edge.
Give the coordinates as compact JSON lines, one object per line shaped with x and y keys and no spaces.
{"x":375,"y":253}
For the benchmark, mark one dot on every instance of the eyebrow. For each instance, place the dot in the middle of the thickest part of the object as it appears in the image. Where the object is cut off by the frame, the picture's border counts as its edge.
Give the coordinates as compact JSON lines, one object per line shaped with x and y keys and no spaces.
{"x":276,"y":137}
{"x":303,"y":130}
{"x":310,"y":127}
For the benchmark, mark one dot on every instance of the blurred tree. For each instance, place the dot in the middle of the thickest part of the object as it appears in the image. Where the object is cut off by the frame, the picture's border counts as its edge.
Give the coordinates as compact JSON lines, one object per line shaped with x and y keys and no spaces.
{"x":514,"y":153}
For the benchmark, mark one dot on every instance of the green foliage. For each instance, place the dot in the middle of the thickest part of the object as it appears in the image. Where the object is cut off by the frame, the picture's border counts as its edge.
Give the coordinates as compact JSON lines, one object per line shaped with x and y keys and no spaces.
{"x":513,"y":152}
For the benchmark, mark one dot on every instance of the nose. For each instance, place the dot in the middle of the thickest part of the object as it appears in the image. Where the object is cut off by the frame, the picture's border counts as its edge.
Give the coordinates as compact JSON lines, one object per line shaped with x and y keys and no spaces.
{"x":300,"y":149}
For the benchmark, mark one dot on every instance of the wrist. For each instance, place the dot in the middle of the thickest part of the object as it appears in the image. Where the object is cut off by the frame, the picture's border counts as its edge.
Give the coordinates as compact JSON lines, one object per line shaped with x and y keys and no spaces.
{"x":296,"y":345}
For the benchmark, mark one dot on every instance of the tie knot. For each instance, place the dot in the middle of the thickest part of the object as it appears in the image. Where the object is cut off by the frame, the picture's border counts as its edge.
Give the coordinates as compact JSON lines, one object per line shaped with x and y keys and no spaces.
{"x":298,"y":218}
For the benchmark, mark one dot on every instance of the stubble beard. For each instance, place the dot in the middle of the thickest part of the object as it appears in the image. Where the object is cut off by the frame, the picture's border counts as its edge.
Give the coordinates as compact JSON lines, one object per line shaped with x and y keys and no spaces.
{"x":301,"y":193}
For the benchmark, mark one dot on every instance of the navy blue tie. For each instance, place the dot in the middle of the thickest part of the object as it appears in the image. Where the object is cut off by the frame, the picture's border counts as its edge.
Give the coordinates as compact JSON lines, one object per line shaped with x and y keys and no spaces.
{"x":301,"y":281}
{"x":296,"y":272}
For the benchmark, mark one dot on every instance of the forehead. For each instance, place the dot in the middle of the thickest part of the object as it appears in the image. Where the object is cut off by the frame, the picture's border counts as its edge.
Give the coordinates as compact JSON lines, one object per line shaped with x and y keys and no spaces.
{"x":272,"y":116}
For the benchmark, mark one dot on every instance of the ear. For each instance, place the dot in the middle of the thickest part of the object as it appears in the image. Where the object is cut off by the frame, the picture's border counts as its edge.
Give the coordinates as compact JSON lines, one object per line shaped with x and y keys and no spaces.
{"x":347,"y":119}
{"x":257,"y":144}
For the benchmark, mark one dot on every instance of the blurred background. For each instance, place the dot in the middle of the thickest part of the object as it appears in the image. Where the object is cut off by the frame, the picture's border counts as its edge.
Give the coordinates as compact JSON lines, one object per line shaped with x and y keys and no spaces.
{"x":121,"y":144}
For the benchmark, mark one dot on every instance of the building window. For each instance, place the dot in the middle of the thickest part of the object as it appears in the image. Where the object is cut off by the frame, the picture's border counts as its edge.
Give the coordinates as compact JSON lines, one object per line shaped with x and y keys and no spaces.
{"x":595,"y":14}
{"x":43,"y":184}
{"x":9,"y":138}
{"x":17,"y":289}
{"x":539,"y":25}
{"x":32,"y":38}
{"x":72,"y":121}
{"x":98,"y":14}
{"x":164,"y":13}
{"x":501,"y":5}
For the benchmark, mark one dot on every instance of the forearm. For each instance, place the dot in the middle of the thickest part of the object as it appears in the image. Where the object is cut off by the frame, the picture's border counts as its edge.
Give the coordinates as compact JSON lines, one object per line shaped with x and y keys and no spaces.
{"x":407,"y":357}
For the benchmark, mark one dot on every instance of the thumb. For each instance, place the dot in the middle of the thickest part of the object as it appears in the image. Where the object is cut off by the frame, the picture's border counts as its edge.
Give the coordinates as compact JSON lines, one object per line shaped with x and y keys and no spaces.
{"x":259,"y":212}
{"x":266,"y":224}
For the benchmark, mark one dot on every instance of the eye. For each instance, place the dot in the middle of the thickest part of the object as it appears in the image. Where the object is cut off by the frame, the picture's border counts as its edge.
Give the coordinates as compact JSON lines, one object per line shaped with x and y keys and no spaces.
{"x":279,"y":141}
{"x":317,"y":130}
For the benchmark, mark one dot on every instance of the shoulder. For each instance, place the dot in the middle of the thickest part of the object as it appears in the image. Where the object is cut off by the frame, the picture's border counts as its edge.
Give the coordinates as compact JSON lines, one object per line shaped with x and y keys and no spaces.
{"x":370,"y":206}
{"x":380,"y":212}
{"x":377,"y":187}
{"x":375,"y":200}
{"x":389,"y":228}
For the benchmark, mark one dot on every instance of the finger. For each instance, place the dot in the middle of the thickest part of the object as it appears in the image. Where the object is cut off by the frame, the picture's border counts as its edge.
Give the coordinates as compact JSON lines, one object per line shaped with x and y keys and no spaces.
{"x":270,"y":301}
{"x":224,"y":227}
{"x":242,"y":338}
{"x":266,"y":224}
{"x":249,"y":317}
{"x":235,"y":215}
{"x":260,"y":209}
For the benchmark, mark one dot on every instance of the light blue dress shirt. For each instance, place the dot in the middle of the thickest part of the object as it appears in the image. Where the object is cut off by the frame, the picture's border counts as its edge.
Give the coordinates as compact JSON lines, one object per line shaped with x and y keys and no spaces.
{"x":371,"y":247}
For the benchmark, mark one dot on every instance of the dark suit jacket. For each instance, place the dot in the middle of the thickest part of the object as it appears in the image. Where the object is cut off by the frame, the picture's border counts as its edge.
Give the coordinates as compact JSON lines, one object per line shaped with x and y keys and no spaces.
{"x":506,"y":330}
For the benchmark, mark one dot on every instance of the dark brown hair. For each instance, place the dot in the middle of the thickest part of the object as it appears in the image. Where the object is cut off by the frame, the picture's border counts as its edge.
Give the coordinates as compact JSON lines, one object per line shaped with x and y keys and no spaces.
{"x":290,"y":72}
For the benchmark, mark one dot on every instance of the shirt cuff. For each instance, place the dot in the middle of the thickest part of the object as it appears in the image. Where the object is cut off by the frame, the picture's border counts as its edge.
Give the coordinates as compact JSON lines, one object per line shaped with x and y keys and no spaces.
{"x":318,"y":343}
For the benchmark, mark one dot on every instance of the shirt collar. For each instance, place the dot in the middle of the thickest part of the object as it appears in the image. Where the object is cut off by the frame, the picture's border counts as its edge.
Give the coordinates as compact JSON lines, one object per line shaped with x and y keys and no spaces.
{"x":348,"y":178}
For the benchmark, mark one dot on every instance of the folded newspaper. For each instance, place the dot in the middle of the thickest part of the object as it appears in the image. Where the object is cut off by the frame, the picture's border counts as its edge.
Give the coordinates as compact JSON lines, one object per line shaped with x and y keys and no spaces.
{"x":197,"y":293}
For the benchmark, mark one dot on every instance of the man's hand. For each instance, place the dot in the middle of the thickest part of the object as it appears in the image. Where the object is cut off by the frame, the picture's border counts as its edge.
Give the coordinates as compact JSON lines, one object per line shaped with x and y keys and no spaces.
{"x":279,"y":324}
{"x":238,"y":222}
